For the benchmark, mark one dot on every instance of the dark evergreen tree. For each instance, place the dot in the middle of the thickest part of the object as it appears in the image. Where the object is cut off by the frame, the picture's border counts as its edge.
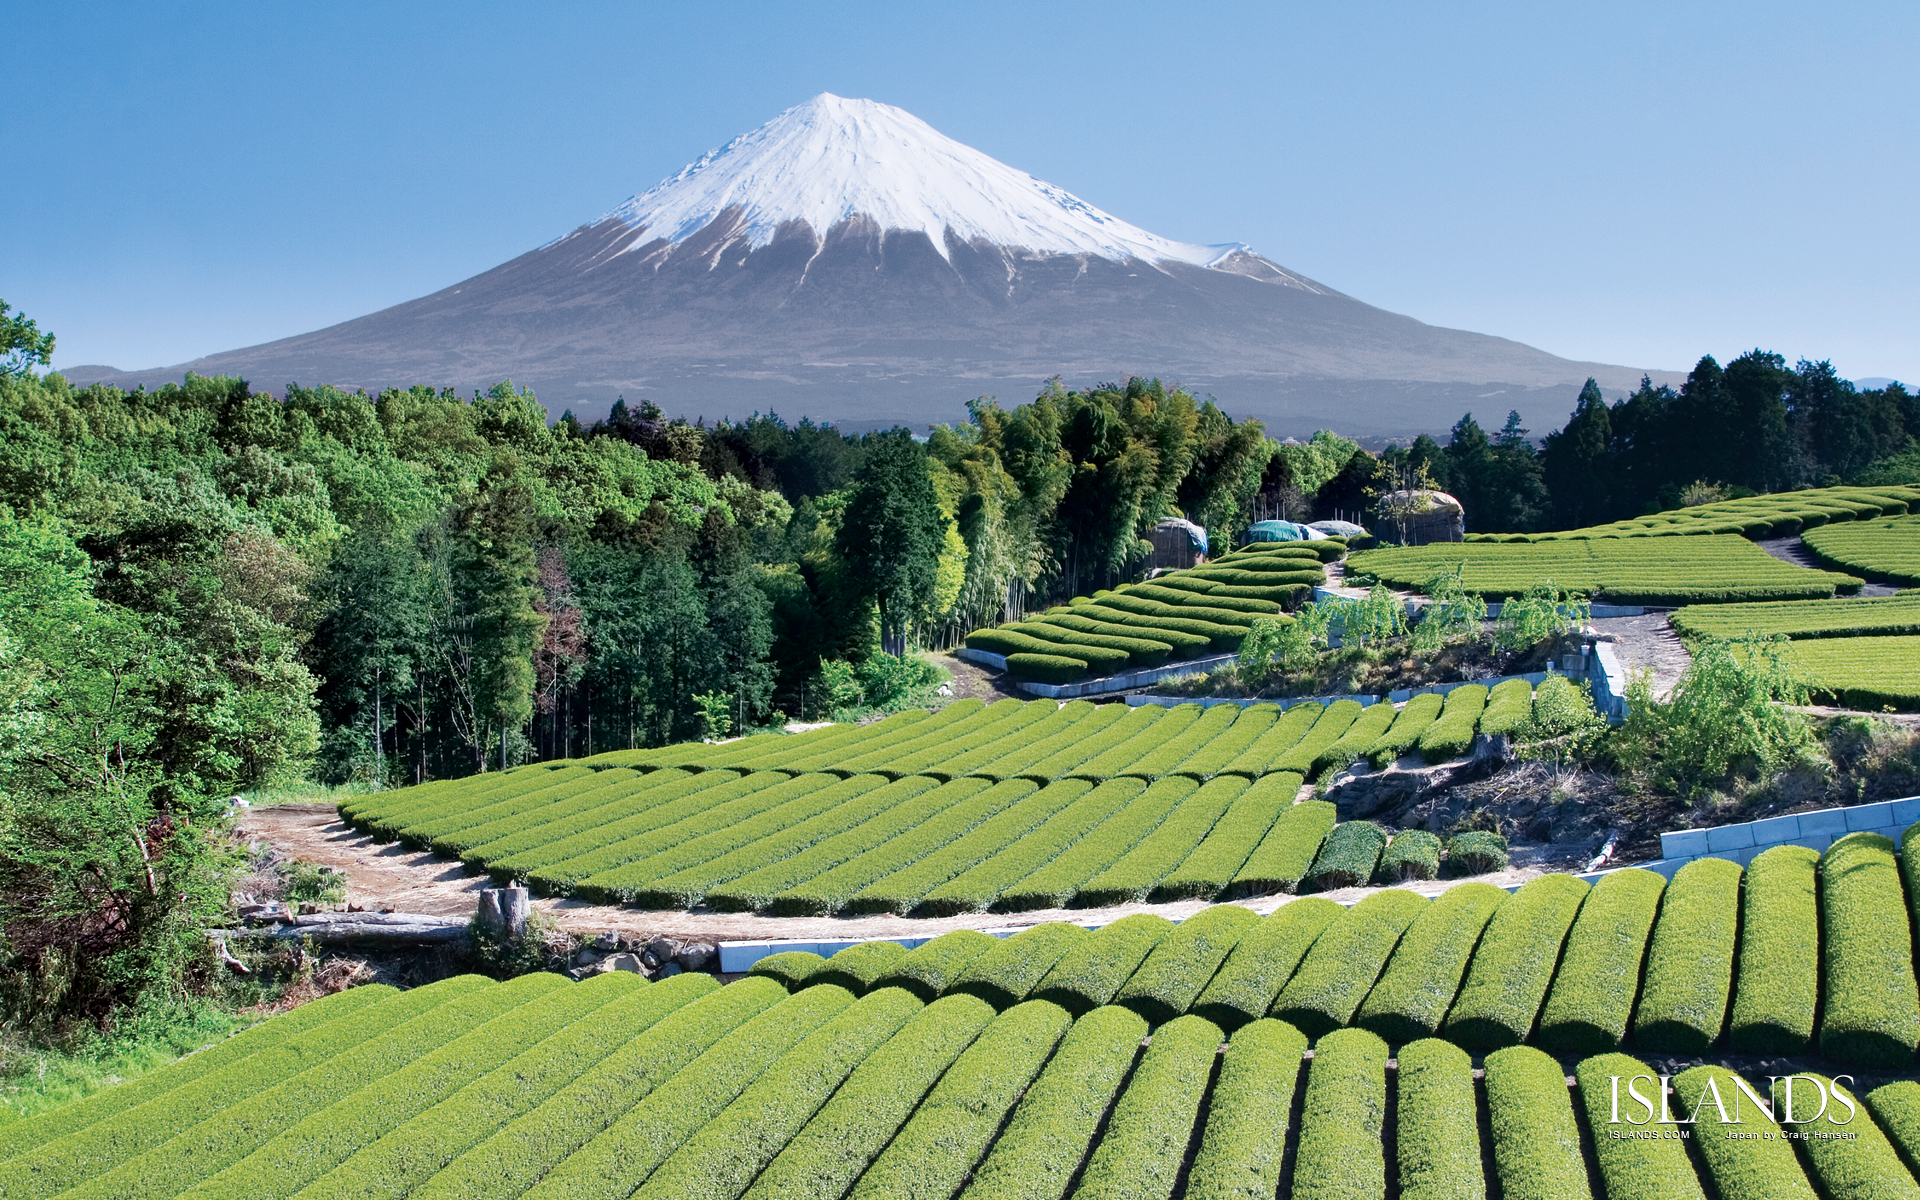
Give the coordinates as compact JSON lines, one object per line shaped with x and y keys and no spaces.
{"x":1576,"y":463}
{"x":891,"y":532}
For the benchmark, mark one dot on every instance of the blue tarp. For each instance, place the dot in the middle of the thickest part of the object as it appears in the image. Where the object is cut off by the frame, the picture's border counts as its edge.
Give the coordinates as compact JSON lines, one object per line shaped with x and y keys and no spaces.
{"x":1282,"y":531}
{"x":1195,"y":534}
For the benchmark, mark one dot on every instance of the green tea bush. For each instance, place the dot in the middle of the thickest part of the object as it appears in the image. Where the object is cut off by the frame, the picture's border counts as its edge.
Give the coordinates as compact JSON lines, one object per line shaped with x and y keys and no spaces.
{"x":1508,"y":979}
{"x":1366,"y":729}
{"x":1744,"y":1168}
{"x":1652,"y":1167}
{"x":1004,"y":975}
{"x":1509,"y":705}
{"x":1346,"y":959}
{"x":1093,"y":970}
{"x":1871,"y":1014}
{"x":1863,"y":1162}
{"x":1418,"y":713}
{"x":930,"y":968}
{"x":1051,"y":668}
{"x":1284,"y":856}
{"x":1424,"y":974}
{"x":1342,"y":1152}
{"x":1244,"y":1142}
{"x":859,"y":967}
{"x":1438,"y":1153}
{"x":1476,"y":852}
{"x":1452,"y":735}
{"x":1145,"y":1141}
{"x":790,"y":968}
{"x":1182,"y":963}
{"x":1593,"y":992}
{"x":1778,"y":988}
{"x":1683,"y":1002}
{"x":1208,"y":873}
{"x":1348,"y":857}
{"x":1536,"y":1138}
{"x":1412,"y":854}
{"x":1263,"y":960}
{"x":1896,"y":1109}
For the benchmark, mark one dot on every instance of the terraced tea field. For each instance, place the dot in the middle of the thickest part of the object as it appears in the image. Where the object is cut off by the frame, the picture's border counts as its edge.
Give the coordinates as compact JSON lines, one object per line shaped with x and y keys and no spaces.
{"x":1802,"y":618}
{"x":1008,"y":806}
{"x":1870,"y":673}
{"x":1780,"y":514}
{"x":1709,"y":569}
{"x":1144,"y":1059}
{"x":1885,"y":549}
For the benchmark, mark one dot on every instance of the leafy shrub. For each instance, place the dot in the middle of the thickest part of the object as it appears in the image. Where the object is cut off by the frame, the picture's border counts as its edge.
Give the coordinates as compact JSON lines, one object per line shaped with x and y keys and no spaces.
{"x":1437,"y":1152}
{"x":1536,"y":1139}
{"x":1245,"y":1139}
{"x":1476,"y":852}
{"x":939,"y":1146}
{"x":1683,"y":1002}
{"x":929,"y":968}
{"x":1511,"y":970}
{"x":1145,"y":1141}
{"x":1342,"y":1150}
{"x":1046,"y":668}
{"x":1412,"y":854}
{"x":1183,"y":962}
{"x":1005,"y":974}
{"x":1340,"y":969}
{"x":1257,"y":652}
{"x":1636,"y":1167}
{"x":1871,"y":1014}
{"x":1779,"y":981}
{"x":1424,"y":974}
{"x":1452,"y":735}
{"x":790,"y":968}
{"x":1263,"y":960}
{"x":1744,"y":1168}
{"x":1380,"y":616}
{"x":1509,"y":705}
{"x":848,"y":1133}
{"x":1728,"y":713}
{"x":858,"y":967}
{"x":1896,"y":1108}
{"x":1285,"y":855}
{"x":1348,"y":857}
{"x":1451,"y":612}
{"x":1366,"y":729}
{"x":1864,"y":1163}
{"x":314,"y":883}
{"x":1543,"y":611}
{"x":1414,"y":718}
{"x":1089,"y":973}
{"x":1051,"y":1129}
{"x":1593,"y":991}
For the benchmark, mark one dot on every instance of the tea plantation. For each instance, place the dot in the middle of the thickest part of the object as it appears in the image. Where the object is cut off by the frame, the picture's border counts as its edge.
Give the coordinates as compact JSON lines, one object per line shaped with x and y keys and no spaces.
{"x":1142,"y":1059}
{"x":1004,"y":806}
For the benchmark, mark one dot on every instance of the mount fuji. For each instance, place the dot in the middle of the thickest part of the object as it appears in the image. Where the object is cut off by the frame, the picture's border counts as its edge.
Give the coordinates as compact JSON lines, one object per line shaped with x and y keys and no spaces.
{"x":849,"y":262}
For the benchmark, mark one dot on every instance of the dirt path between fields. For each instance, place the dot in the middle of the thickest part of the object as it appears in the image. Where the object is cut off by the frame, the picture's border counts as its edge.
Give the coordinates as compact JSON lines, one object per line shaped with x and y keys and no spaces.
{"x":388,"y":875}
{"x":1648,"y":643}
{"x":1793,"y":550}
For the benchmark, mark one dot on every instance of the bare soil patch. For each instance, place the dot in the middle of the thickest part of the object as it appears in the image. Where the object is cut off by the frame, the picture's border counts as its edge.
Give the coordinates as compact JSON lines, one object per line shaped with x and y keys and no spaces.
{"x":1648,"y":643}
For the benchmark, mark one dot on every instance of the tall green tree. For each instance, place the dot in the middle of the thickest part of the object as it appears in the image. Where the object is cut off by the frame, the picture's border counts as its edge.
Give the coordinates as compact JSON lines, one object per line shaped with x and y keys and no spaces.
{"x":892,"y":532}
{"x":1576,"y":463}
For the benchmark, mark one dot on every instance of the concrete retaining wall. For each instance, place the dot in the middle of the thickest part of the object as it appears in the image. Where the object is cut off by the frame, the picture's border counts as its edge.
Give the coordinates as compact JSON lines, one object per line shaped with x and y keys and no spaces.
{"x":1103,"y":685}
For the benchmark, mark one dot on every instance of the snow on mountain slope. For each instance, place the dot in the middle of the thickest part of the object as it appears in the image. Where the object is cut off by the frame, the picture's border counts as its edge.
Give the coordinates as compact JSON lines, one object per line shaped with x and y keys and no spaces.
{"x":831,"y":158}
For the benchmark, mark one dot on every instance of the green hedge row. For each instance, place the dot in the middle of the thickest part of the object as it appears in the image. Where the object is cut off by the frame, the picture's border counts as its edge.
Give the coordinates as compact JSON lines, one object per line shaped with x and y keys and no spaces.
{"x":1683,"y":1002}
{"x":1180,"y":597}
{"x":1167,"y":757}
{"x":1047,"y":1138}
{"x":1369,"y":727}
{"x":1509,"y":706}
{"x":1021,"y":724}
{"x":1652,"y":1166}
{"x":1870,"y":1013}
{"x":789,"y":968}
{"x":914,"y":806}
{"x":1286,"y":854}
{"x":1593,"y":992}
{"x":908,"y":888}
{"x":1778,"y":987}
{"x":1060,"y":879}
{"x":1066,"y":758}
{"x":962,"y":804}
{"x":1476,"y":852}
{"x":1140,"y":652}
{"x":991,"y":720}
{"x":629,"y":1150}
{"x":408,"y":1156}
{"x":194,"y":1144}
{"x":858,"y":968}
{"x":614,"y":790}
{"x":1863,"y":1164}
{"x":1209,"y":871}
{"x":16,"y":1137}
{"x":1348,"y":856}
{"x":1007,"y":973}
{"x":721,"y":1159}
{"x":1263,"y":960}
{"x":1183,"y":962}
{"x":1412,"y":854}
{"x":1219,"y":637}
{"x":705,"y":853}
{"x":1342,"y":1153}
{"x":81,"y":1154}
{"x":1424,"y":974}
{"x":1536,"y":1138}
{"x":387,"y":822}
{"x":1083,"y":620}
{"x":1346,"y":959}
{"x":523,"y":1150}
{"x":1762,"y":1167}
{"x":1259,"y":757}
{"x":1243,"y":1146}
{"x":851,"y":1130}
{"x":1236,"y":576}
{"x":981,"y":886}
{"x":1147,"y":737}
{"x":329,"y":1136}
{"x":1452,"y":735}
{"x":938,"y":1148}
{"x":1211,"y":759}
{"x":1404,"y":734}
{"x":1436,"y":1146}
{"x":1896,"y":1108}
{"x":930,"y":968}
{"x":1288,"y":596}
{"x":1138,"y":873}
{"x":1051,"y":668}
{"x":1333,"y":721}
{"x":554,"y":867}
{"x":1145,"y":1141}
{"x":1014,"y":761}
{"x":1141,"y":606}
{"x":886,"y":736}
{"x":419,"y":829}
{"x":1180,"y":581}
{"x":1093,"y":969}
{"x":1510,"y":973}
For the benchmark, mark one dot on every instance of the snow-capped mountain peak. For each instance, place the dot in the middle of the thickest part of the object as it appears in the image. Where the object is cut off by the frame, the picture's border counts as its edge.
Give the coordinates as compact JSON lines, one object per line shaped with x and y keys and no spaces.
{"x":832,"y":158}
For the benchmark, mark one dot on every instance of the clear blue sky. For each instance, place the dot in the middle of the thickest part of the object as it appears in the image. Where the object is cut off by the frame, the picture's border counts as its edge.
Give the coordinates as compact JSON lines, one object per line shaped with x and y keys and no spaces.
{"x":1638,"y":183}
